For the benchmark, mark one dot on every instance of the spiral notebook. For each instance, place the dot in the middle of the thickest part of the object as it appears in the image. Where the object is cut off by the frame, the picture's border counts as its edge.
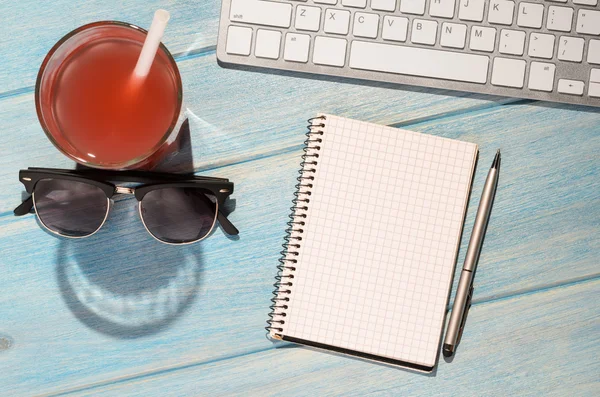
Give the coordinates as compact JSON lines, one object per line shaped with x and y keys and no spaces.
{"x":373,"y":241}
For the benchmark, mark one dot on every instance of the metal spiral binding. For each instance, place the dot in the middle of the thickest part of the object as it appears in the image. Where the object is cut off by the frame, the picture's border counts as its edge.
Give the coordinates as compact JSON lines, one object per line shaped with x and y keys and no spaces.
{"x":293,"y":239}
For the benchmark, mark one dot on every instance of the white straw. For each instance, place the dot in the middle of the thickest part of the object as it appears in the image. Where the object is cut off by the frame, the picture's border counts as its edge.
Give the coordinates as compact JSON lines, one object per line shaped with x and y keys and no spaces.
{"x":155,"y":34}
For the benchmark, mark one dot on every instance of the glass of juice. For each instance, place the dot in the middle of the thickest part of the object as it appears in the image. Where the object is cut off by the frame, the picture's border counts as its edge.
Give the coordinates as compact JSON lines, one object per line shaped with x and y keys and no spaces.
{"x":91,"y":107}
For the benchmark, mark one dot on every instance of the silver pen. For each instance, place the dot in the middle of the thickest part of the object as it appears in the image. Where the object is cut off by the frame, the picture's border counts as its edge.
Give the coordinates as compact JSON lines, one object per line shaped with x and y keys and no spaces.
{"x":464,"y":292}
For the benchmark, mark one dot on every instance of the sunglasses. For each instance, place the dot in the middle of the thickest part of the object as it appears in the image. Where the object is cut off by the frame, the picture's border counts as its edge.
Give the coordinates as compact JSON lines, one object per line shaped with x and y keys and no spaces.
{"x":174,"y":208}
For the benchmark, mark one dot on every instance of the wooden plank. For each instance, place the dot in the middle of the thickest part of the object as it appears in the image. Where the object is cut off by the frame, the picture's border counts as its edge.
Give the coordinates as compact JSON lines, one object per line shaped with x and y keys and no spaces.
{"x":537,"y":200}
{"x":240,"y":120}
{"x":129,"y":305}
{"x":31,"y":27}
{"x":545,"y":201}
{"x":120,"y":302}
{"x":545,"y":343}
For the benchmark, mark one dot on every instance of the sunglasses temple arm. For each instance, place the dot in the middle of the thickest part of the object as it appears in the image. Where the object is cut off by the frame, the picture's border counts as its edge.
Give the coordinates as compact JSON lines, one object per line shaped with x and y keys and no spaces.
{"x":25,"y":207}
{"x":227,"y":225}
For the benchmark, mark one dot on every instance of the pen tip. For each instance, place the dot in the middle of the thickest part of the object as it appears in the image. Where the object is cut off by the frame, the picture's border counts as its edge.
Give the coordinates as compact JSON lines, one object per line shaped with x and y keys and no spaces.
{"x":496,"y":163}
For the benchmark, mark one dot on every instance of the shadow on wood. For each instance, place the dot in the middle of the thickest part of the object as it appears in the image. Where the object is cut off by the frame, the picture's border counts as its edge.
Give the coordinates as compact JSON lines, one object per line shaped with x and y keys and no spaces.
{"x":123,"y":283}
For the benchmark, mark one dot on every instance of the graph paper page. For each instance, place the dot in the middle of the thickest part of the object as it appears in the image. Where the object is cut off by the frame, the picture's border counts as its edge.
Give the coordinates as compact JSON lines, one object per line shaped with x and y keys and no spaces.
{"x":380,"y":242}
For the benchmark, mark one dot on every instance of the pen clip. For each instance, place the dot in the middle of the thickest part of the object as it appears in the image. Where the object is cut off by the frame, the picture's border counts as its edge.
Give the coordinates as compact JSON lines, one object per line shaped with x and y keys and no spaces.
{"x":465,"y":313}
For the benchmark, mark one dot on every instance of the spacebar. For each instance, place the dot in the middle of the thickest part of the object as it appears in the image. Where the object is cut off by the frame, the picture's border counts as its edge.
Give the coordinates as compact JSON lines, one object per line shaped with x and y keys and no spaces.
{"x":419,"y":62}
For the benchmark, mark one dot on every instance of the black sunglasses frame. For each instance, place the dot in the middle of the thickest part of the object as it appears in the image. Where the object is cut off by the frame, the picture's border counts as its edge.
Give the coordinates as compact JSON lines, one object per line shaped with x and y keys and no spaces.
{"x":221,"y":188}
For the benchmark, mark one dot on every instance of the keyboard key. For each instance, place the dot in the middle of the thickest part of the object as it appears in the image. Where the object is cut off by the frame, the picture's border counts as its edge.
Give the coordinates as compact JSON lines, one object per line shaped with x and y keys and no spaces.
{"x":266,"y":13}
{"x":572,"y":87}
{"x":419,"y":62}
{"x":423,"y":32}
{"x":239,"y":40}
{"x":541,"y":45}
{"x":336,"y":21}
{"x":366,"y":25}
{"x":501,"y":12}
{"x":471,"y":10}
{"x":383,"y":5}
{"x":512,"y":42}
{"x":442,"y":8}
{"x":570,"y":49}
{"x":329,"y":51}
{"x":508,"y":72}
{"x":482,"y":39}
{"x":530,"y":15}
{"x":416,"y":7}
{"x":588,"y":22}
{"x":355,"y":3}
{"x":296,"y":47}
{"x":267,"y":44}
{"x":332,"y":2}
{"x":541,"y":76}
{"x":594,"y":90}
{"x":594,"y":52}
{"x":395,"y":28}
{"x":560,"y":18}
{"x":453,"y":35}
{"x":586,"y":2}
{"x":308,"y":18}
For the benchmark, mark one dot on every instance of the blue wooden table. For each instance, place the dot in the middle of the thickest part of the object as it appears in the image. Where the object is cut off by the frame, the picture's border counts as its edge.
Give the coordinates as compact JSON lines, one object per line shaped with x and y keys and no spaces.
{"x":121,"y":314}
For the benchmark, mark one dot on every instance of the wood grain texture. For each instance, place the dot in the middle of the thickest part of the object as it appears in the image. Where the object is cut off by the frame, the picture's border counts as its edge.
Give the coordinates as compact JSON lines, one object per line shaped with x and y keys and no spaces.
{"x":238,"y":121}
{"x":537,"y":196}
{"x":512,"y":347}
{"x":135,"y":313}
{"x":120,"y":302}
{"x":119,"y":306}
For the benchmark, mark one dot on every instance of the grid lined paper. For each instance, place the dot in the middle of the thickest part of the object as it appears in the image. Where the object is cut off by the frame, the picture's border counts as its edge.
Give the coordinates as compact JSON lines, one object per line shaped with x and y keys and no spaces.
{"x":381,"y":239}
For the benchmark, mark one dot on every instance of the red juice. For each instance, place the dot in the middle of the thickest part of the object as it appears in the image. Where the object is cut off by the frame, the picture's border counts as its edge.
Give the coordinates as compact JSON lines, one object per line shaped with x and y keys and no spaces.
{"x":93,"y":109}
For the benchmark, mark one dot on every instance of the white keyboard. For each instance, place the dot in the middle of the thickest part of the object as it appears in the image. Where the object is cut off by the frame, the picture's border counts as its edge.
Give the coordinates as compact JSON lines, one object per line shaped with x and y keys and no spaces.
{"x":545,"y":50}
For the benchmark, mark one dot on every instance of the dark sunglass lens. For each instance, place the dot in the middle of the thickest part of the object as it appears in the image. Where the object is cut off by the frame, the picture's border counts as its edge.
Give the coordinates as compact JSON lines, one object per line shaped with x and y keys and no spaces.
{"x":179,"y":215}
{"x":70,"y":208}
